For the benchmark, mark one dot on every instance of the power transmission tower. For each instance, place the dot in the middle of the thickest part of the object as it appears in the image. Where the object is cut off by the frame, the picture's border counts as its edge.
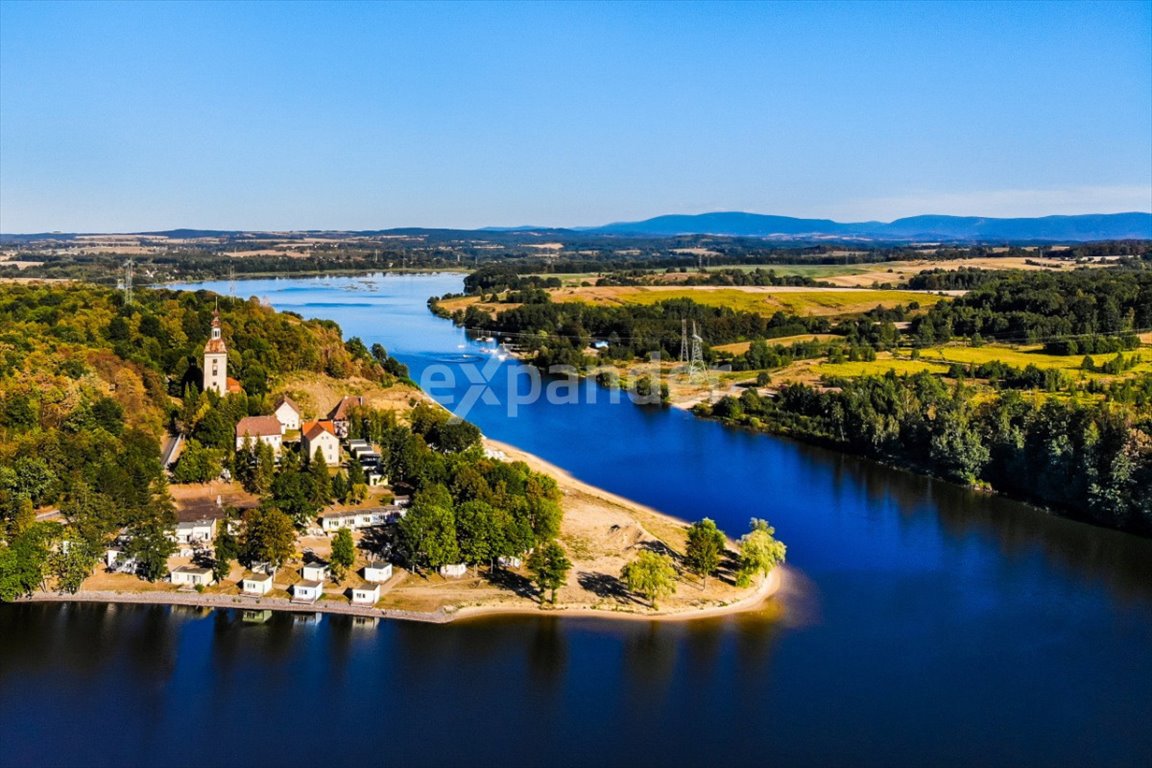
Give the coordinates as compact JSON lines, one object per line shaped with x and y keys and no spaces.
{"x":696,"y":368}
{"x":232,"y":282}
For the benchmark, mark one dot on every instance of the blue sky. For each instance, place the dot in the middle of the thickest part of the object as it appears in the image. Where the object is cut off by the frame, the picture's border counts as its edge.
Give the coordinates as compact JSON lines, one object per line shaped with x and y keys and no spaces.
{"x":118,"y":117}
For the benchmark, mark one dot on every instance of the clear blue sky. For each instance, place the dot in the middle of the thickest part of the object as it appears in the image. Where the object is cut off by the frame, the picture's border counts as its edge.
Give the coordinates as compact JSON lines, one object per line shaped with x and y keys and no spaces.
{"x":118,"y":117}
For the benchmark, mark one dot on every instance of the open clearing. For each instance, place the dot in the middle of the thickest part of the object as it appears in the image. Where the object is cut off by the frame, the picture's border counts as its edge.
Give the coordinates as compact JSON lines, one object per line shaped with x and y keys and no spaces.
{"x":762,"y":300}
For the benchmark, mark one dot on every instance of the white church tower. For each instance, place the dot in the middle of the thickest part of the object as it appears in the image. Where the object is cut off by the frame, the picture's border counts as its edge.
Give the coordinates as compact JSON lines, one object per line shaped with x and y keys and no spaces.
{"x":216,"y":360}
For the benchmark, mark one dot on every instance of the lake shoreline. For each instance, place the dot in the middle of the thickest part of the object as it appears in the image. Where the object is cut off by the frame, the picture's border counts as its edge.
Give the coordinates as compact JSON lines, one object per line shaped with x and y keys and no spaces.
{"x":768,"y":587}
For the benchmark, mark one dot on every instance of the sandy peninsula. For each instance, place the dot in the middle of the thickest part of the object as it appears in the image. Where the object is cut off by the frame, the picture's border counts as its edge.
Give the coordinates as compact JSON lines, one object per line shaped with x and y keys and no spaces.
{"x":600,"y":531}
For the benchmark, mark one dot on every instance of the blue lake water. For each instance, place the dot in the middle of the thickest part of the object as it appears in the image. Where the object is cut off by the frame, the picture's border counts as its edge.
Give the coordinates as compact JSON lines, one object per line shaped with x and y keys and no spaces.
{"x":929,"y":624}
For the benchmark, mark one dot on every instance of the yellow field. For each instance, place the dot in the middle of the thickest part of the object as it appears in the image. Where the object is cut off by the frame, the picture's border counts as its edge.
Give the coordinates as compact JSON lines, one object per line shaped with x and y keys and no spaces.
{"x":761,"y":300}
{"x":1021,"y":357}
{"x":740,"y":347}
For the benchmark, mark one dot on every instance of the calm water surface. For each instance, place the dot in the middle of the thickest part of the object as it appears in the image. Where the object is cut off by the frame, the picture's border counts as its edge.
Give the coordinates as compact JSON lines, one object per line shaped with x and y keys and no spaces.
{"x":928,"y":625}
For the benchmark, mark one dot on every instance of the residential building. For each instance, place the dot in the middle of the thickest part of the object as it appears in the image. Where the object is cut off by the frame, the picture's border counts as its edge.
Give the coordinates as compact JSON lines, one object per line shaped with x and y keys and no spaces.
{"x":192,"y":576}
{"x":264,"y":429}
{"x":314,"y":572}
{"x":307,"y":591}
{"x":453,"y":571}
{"x":355,"y":519}
{"x":378,"y":572}
{"x":339,"y":414}
{"x":203,"y":531}
{"x":322,"y":435}
{"x":256,"y":584}
{"x":366,"y":595}
{"x":287,"y":413}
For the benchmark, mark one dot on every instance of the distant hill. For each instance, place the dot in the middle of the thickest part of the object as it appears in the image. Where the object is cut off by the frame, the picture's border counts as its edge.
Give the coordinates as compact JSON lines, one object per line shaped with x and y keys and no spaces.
{"x":1098,"y":226}
{"x":1057,"y":229}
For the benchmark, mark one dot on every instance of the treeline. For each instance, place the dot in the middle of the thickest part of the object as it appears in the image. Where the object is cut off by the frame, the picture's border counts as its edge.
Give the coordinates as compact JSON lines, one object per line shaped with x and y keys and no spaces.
{"x":1038,"y":306}
{"x":724,"y":277}
{"x":1091,"y":460}
{"x":560,"y":333}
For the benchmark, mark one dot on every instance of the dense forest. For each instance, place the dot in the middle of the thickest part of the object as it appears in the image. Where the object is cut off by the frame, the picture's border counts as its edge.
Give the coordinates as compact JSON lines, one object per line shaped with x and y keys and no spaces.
{"x":1089,"y":458}
{"x":1029,"y":307}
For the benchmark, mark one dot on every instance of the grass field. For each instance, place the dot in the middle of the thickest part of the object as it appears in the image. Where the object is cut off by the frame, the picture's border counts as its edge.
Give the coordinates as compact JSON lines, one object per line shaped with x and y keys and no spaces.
{"x":1021,"y":357}
{"x":761,"y":300}
{"x":939,"y":359}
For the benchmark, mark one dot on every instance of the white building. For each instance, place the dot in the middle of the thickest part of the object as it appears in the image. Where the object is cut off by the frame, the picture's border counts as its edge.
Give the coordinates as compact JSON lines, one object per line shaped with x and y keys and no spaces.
{"x":118,"y":562}
{"x":287,"y":413}
{"x":192,"y":576}
{"x":256,"y":584}
{"x":355,"y":519}
{"x":453,"y":571}
{"x":216,"y":360}
{"x":307,"y":591}
{"x":197,"y":530}
{"x":367,"y":595}
{"x":265,"y":429}
{"x":322,"y":435}
{"x":378,"y":572}
{"x":314,"y":572}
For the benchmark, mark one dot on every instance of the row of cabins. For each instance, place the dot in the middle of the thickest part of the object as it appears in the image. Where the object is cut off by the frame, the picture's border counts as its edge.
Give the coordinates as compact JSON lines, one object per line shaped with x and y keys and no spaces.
{"x":309,"y":589}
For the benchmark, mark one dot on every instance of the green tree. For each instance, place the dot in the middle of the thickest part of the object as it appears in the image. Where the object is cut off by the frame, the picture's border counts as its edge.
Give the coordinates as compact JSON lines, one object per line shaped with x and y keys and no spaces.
{"x":293,"y":491}
{"x":268,"y":536}
{"x":760,"y":552}
{"x":71,"y":563}
{"x":226,"y":548}
{"x":321,"y":480}
{"x":197,"y":464}
{"x":549,"y":565}
{"x":428,"y":533}
{"x":343,"y":554}
{"x":264,"y":469}
{"x":478,"y":532}
{"x":705,"y":547}
{"x":23,"y":562}
{"x":150,"y":545}
{"x":651,"y":575}
{"x":340,"y":487}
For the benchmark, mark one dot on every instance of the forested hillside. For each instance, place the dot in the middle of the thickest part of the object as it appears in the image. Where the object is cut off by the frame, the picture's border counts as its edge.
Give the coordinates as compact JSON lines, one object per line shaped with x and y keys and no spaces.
{"x":87,"y":387}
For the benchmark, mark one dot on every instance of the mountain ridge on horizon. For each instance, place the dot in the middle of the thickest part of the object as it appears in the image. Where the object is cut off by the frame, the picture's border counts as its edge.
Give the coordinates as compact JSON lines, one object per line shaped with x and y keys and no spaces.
{"x":1132,"y":225}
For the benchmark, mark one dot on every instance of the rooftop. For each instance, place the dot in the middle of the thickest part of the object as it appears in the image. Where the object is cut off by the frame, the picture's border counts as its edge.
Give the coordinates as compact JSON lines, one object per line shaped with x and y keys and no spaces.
{"x":340,"y":412}
{"x":313,"y":429}
{"x":285,"y":400}
{"x":258,"y":426}
{"x":193,"y":569}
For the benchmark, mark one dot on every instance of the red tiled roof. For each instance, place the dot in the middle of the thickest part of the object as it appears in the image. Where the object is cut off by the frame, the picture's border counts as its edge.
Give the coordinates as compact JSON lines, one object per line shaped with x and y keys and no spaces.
{"x":312,"y":429}
{"x":258,"y":426}
{"x":234,"y":386}
{"x":215,"y":347}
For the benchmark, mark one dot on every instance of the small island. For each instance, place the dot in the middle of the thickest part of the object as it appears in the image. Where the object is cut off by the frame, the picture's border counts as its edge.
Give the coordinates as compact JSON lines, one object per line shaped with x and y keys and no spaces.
{"x":191,"y":450}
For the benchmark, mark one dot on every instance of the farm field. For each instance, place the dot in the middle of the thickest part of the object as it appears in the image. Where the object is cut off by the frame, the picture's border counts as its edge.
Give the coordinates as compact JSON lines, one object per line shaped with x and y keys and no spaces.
{"x":740,"y":347}
{"x":761,"y":300}
{"x":939,"y":359}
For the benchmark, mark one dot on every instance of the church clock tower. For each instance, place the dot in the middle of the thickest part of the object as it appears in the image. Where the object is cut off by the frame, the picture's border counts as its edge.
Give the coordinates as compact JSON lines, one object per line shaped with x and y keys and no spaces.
{"x":216,"y":360}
